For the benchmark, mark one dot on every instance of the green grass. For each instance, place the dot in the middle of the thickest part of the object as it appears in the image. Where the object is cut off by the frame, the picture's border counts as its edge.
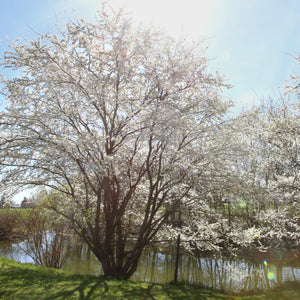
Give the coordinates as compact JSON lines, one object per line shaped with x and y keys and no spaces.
{"x":26,"y":281}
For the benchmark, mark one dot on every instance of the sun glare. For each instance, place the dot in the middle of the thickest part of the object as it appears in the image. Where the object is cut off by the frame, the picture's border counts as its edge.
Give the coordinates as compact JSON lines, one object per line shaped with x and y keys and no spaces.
{"x":189,"y":17}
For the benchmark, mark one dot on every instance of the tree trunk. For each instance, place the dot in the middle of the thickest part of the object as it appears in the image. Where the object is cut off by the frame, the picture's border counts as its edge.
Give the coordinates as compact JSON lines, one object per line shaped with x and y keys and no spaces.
{"x":177,"y":259}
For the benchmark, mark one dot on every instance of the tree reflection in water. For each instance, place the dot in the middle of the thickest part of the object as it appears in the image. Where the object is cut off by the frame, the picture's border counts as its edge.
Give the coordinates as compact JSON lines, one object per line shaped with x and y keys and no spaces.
{"x":222,"y":274}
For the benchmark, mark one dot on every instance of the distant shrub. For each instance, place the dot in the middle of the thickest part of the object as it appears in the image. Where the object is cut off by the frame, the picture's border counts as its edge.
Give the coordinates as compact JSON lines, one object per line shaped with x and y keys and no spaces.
{"x":9,"y":224}
{"x":47,"y":241}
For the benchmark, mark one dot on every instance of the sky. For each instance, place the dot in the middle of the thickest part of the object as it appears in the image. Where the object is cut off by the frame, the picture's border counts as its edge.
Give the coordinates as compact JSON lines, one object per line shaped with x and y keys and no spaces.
{"x":251,"y":42}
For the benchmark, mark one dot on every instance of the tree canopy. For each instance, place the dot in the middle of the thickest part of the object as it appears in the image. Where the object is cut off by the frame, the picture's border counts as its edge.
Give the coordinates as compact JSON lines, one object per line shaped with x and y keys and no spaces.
{"x":118,"y":120}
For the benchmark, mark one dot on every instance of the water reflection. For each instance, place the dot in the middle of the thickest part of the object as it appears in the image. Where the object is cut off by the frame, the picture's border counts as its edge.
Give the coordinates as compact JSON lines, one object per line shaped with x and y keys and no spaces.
{"x":14,"y":251}
{"x":260,"y":272}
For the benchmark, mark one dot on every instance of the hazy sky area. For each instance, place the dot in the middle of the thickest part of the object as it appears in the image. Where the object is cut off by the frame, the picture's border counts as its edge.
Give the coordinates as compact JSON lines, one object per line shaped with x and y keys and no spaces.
{"x":251,"y":42}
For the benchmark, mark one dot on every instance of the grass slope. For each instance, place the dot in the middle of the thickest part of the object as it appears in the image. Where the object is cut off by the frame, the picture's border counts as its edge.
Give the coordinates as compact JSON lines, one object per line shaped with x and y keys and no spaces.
{"x":26,"y":281}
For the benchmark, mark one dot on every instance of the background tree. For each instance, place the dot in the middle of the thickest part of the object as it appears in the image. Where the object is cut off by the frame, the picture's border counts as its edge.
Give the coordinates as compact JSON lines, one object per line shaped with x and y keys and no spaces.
{"x":267,"y":198}
{"x":118,"y":121}
{"x":250,"y":197}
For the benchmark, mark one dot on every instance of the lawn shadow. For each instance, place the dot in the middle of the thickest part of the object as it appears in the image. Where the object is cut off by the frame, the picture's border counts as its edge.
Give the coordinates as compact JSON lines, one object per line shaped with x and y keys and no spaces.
{"x":84,"y":291}
{"x":51,"y":283}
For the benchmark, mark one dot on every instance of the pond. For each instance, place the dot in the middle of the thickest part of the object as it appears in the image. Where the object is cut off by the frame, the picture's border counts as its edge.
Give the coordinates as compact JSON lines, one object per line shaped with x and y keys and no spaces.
{"x":257,"y":272}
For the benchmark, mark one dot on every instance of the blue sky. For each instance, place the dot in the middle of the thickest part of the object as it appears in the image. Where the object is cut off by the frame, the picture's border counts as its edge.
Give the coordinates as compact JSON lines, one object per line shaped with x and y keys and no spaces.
{"x":251,"y":42}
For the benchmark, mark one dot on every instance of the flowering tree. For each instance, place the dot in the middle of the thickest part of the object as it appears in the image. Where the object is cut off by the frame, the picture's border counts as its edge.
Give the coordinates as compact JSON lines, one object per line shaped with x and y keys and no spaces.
{"x":253,"y":201}
{"x":267,"y":198}
{"x":282,"y":139}
{"x":117,"y":121}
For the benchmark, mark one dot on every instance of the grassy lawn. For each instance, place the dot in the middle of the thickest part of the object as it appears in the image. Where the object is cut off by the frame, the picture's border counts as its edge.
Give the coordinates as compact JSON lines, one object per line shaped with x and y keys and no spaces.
{"x":26,"y":281}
